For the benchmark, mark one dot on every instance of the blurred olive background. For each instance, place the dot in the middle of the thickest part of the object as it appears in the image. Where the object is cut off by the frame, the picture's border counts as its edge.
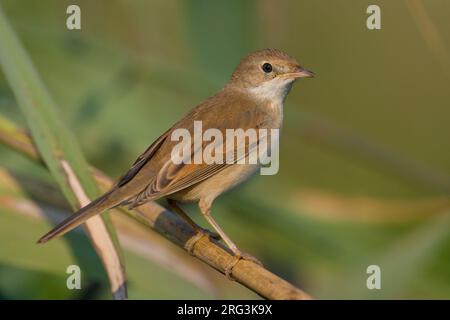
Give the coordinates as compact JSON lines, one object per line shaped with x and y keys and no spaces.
{"x":365,"y":157}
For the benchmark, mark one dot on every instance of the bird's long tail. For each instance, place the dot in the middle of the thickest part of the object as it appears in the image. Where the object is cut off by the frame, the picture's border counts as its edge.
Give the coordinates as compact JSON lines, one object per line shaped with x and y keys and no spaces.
{"x":97,"y":206}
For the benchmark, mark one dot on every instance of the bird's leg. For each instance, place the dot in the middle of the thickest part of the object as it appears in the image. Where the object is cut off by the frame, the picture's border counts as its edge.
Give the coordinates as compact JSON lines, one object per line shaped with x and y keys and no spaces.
{"x":199,"y":231}
{"x":205,"y":208}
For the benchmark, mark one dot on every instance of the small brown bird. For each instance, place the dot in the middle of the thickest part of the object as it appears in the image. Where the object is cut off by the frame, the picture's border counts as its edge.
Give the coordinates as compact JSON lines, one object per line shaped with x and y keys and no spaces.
{"x":252,"y":99}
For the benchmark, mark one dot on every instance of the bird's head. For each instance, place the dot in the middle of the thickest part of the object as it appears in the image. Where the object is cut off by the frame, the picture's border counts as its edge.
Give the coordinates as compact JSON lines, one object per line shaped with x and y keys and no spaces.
{"x":268,"y":74}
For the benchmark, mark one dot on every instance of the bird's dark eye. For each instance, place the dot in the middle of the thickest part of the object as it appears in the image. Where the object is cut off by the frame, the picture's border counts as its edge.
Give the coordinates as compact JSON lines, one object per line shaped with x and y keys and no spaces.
{"x":267,"y":67}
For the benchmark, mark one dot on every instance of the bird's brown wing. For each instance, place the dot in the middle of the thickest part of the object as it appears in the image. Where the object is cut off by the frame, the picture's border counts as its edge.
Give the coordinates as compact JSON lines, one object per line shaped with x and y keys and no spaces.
{"x":157,"y":190}
{"x":170,"y":177}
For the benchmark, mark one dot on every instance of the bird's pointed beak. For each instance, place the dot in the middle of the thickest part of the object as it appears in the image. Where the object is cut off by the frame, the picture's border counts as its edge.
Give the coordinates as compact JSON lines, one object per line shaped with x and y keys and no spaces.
{"x":302,"y":73}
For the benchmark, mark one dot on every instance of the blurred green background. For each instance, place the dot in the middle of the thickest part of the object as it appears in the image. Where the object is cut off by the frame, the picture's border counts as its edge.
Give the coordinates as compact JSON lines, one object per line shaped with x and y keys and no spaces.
{"x":365,"y":157}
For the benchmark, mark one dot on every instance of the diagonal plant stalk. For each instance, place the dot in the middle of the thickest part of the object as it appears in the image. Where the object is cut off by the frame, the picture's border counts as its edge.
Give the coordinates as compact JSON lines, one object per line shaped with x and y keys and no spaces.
{"x":251,"y":275}
{"x":39,"y":200}
{"x":58,"y":149}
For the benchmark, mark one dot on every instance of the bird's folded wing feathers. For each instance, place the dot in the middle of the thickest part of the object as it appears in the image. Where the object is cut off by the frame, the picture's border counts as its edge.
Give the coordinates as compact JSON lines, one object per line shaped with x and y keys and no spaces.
{"x":171,"y":177}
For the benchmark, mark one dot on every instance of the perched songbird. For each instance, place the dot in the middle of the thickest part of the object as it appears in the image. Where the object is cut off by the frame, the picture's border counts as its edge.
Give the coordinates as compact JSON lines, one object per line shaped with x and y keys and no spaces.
{"x":252,"y":99}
